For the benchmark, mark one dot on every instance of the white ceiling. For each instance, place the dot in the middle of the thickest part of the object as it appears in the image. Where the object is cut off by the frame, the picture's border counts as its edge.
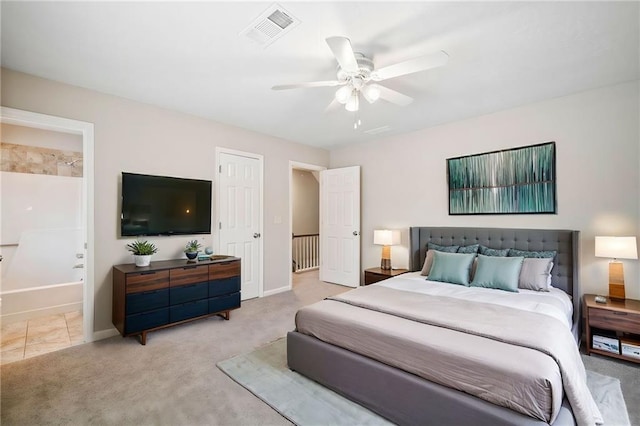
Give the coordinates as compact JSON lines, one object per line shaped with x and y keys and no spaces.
{"x":190,"y":57}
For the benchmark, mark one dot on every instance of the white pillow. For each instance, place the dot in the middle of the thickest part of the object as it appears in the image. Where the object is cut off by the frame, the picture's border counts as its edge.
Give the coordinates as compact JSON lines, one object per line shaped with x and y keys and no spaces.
{"x":536,"y":274}
{"x":428,"y":261}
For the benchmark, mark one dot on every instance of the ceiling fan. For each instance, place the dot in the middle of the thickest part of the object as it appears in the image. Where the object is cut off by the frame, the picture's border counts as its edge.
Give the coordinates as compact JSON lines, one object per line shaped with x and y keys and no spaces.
{"x":357,"y":75}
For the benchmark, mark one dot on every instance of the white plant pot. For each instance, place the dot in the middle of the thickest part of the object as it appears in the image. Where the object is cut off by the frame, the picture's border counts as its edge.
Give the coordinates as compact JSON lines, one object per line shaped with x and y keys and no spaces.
{"x":142,"y":260}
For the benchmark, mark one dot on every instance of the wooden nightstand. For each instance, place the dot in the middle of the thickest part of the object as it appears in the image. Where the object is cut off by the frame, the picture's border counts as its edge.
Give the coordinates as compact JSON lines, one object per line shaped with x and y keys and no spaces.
{"x":373,"y":275}
{"x":617,"y":319}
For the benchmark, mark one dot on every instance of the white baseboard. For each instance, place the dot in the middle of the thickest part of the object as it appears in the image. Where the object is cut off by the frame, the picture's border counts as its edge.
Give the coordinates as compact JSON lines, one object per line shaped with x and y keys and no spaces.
{"x":105,"y":334}
{"x":275,"y":291}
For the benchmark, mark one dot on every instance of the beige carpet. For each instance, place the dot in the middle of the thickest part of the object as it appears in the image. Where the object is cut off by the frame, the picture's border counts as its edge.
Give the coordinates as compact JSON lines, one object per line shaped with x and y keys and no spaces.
{"x":174,"y":379}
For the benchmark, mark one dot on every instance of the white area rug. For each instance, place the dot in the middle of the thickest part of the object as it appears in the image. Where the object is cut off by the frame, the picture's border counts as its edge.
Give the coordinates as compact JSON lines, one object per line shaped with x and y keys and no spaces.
{"x":264,"y":373}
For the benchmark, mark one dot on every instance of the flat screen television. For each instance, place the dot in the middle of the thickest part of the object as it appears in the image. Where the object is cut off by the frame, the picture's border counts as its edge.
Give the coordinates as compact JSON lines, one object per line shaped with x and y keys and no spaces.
{"x":162,"y":205}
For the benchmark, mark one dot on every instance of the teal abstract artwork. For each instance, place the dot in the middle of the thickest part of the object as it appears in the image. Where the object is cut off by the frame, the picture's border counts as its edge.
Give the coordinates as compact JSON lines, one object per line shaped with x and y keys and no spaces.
{"x":514,"y":181}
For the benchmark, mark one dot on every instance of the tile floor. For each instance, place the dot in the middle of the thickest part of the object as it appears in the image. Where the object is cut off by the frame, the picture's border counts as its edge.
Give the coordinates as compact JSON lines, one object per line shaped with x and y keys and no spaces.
{"x":25,"y":339}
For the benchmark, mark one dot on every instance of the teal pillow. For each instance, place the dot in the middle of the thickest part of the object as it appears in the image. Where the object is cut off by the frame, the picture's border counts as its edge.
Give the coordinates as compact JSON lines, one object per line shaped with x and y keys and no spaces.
{"x":452,"y":267}
{"x":543,"y":254}
{"x":493,"y":252}
{"x":501,"y":273}
{"x":469,"y":249}
{"x":445,"y":249}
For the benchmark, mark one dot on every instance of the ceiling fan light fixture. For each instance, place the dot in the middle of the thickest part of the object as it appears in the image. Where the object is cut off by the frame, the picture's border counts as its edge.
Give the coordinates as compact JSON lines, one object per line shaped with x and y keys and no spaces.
{"x":343,"y":94}
{"x":371,"y":93}
{"x":353,"y":104}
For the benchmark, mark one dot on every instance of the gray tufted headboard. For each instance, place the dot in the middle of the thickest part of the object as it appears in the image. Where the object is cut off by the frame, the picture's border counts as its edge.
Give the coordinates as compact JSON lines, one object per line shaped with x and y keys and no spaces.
{"x":564,"y":274}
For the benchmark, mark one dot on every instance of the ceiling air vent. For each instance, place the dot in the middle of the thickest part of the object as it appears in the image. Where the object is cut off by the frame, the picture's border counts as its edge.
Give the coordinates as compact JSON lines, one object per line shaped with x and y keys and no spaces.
{"x":270,"y":26}
{"x":378,"y":130}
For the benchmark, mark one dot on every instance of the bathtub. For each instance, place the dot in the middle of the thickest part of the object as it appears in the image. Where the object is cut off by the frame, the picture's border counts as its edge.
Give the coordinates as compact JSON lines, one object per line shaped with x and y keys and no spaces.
{"x":36,"y":302}
{"x":42,"y":275}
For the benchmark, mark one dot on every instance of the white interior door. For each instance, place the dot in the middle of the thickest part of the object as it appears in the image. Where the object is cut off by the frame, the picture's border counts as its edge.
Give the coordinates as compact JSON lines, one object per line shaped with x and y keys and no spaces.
{"x":240,"y":207}
{"x":340,"y":226}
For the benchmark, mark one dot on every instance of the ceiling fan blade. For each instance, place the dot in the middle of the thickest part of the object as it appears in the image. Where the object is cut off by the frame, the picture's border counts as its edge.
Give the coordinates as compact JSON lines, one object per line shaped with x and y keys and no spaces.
{"x":342,"y":50}
{"x":333,"y":105}
{"x":329,"y":83}
{"x":412,"y":65}
{"x":393,"y":96}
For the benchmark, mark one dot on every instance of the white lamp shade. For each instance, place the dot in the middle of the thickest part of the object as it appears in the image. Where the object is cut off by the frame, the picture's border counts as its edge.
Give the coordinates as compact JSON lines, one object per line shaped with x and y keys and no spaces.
{"x":343,"y":94}
{"x":617,"y":247}
{"x":371,"y":93}
{"x":386,"y":237}
{"x":353,"y":103}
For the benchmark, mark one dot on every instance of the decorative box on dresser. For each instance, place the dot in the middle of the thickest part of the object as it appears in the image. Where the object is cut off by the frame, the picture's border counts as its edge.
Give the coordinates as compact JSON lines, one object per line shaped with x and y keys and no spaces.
{"x":373,"y":275}
{"x":171,"y":292}
{"x":618,"y":320}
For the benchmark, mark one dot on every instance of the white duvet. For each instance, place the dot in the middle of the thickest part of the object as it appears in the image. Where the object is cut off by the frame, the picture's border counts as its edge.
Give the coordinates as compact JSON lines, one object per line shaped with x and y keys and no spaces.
{"x":555,"y":303}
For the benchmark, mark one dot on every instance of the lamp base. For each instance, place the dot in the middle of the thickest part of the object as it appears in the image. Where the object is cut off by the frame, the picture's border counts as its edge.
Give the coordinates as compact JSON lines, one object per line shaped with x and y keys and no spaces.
{"x":616,"y":281}
{"x":385,"y":262}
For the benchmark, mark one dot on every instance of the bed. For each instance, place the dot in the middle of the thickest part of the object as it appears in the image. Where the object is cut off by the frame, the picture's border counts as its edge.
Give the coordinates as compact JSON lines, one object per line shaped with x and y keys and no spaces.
{"x":390,"y":386}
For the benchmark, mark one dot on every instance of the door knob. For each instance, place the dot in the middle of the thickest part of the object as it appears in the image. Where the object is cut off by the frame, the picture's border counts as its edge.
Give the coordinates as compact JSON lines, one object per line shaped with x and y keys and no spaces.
{"x":256,"y":235}
{"x":356,"y":233}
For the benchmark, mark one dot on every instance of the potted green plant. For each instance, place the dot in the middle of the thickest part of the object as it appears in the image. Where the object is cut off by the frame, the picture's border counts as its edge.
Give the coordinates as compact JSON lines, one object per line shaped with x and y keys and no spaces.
{"x":142,"y":251}
{"x":192,"y":248}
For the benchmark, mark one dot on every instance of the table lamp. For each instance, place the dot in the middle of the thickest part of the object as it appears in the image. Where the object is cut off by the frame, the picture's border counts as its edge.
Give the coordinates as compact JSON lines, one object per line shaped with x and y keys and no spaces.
{"x":386,"y":238}
{"x":616,"y":248}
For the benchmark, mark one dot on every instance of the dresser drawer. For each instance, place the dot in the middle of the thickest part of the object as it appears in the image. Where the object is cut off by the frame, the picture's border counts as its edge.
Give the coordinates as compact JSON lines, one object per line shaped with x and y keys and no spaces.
{"x":224,"y":270}
{"x":224,"y":303}
{"x":147,"y":281}
{"x":188,"y":310}
{"x":189,"y":275}
{"x":188,"y":293}
{"x":614,"y":320}
{"x":146,"y":301}
{"x":224,"y":286}
{"x":147,"y":320}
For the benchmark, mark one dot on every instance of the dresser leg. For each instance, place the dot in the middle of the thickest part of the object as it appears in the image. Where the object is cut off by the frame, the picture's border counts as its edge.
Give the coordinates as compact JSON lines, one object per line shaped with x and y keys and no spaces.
{"x":143,"y":338}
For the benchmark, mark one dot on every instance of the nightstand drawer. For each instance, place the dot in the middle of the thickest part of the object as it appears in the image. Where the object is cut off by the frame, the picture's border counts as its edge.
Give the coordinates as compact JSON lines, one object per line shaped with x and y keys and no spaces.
{"x":373,"y":278}
{"x":373,"y":275}
{"x":615,"y":320}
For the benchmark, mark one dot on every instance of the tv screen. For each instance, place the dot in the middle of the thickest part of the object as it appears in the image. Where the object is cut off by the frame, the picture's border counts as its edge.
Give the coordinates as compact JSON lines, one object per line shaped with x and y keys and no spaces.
{"x":160,"y":205}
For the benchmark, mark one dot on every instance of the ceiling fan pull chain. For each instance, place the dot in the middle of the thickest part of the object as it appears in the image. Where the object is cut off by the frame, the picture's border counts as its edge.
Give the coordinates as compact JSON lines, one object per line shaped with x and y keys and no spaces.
{"x":357,"y":123}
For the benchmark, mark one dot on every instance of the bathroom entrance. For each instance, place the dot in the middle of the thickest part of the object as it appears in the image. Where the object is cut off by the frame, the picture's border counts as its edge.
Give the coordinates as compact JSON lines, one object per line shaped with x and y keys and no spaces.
{"x":42,"y":240}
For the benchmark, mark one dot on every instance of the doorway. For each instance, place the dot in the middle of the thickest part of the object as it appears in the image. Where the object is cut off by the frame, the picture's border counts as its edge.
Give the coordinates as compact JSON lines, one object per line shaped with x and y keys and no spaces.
{"x":304,"y":220}
{"x":47,"y":218}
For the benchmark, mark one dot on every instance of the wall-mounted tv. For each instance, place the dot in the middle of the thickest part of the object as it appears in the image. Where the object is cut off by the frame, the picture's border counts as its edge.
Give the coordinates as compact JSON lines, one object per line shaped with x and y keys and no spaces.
{"x":161,"y":205}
